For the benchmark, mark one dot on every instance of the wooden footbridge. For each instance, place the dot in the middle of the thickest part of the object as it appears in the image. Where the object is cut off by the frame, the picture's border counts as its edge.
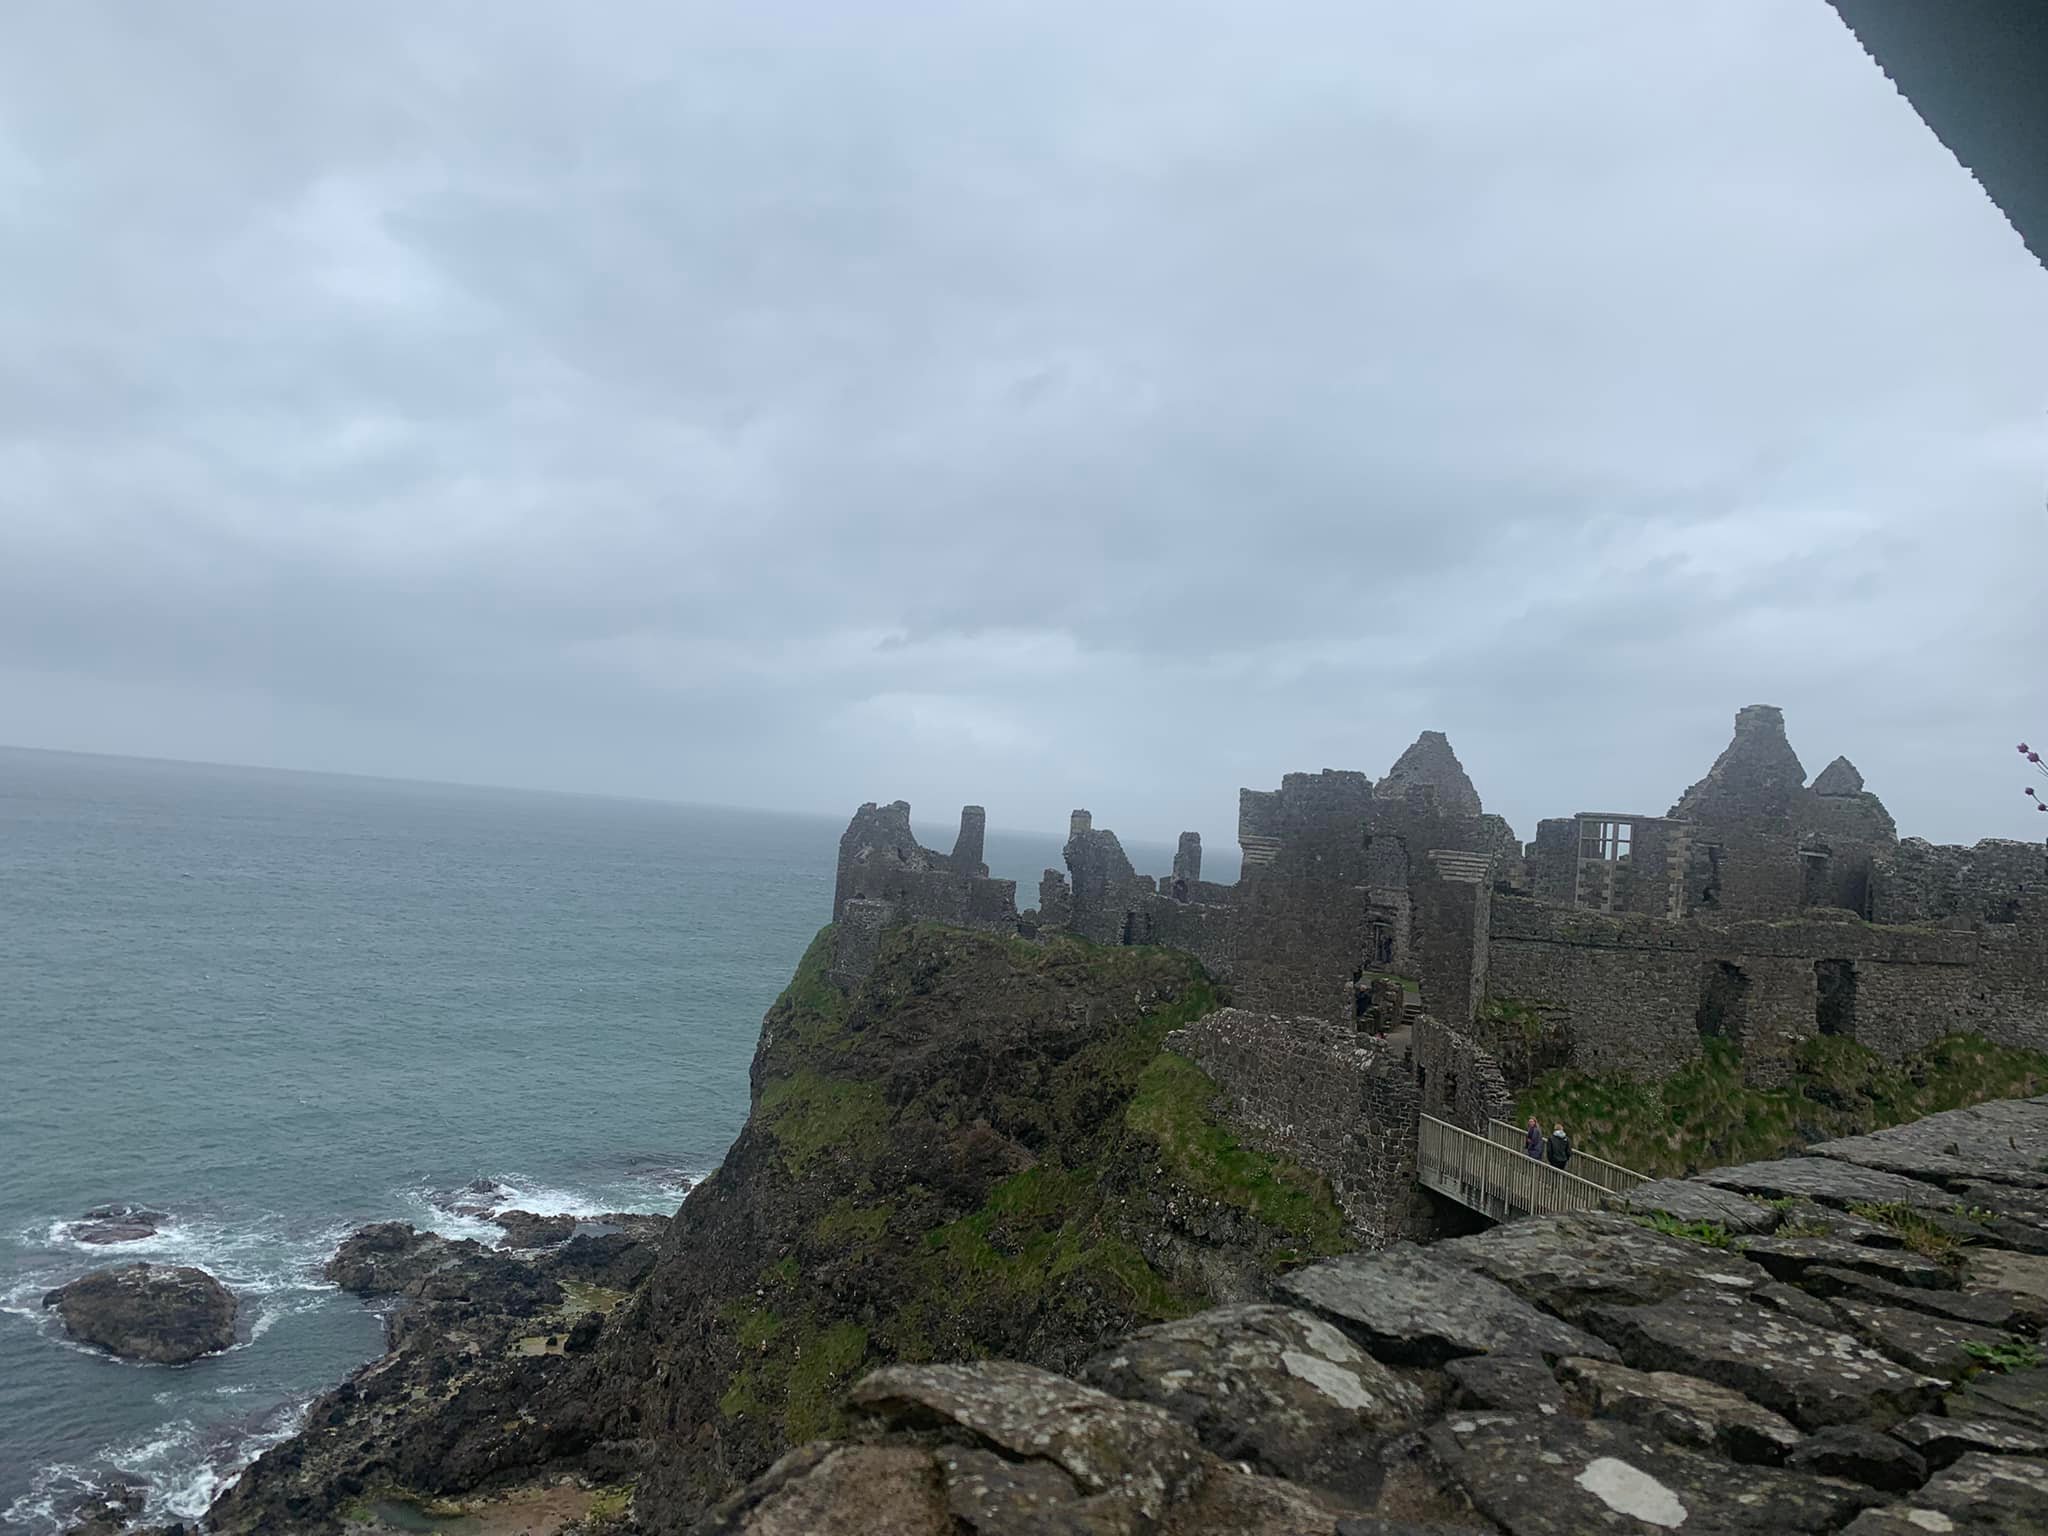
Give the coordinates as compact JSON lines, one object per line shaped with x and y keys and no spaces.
{"x":1491,"y":1174}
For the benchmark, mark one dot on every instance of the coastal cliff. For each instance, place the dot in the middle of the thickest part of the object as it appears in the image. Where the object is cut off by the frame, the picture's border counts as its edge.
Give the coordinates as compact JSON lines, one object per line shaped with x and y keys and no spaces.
{"x":980,"y":1150}
{"x":988,"y":1258}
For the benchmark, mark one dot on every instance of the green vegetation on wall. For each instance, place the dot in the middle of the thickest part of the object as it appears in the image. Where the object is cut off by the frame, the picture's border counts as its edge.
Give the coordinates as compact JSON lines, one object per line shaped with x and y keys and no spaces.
{"x":1703,"y":1116}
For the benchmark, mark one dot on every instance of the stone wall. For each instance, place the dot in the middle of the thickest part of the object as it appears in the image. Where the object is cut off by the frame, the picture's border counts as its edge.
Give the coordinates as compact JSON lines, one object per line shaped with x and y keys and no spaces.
{"x":1457,"y":1079}
{"x":1306,"y":1089}
{"x":1627,"y":987}
{"x":1108,"y":892}
{"x":1452,"y":917}
{"x":885,"y":875}
{"x":1997,"y":881}
{"x":857,"y":938}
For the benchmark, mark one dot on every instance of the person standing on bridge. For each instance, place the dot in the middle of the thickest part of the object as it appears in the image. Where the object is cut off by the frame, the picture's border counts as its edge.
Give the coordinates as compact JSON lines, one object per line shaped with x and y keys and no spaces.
{"x":1560,"y":1148}
{"x":1532,"y":1139}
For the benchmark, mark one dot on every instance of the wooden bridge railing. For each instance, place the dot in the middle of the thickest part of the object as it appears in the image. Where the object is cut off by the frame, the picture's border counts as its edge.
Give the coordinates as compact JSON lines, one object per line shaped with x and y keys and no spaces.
{"x":1612,"y":1177}
{"x":1499,"y":1181}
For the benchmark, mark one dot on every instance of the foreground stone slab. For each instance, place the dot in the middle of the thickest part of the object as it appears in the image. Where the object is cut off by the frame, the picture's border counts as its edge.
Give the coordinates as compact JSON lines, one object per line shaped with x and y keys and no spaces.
{"x":1941,"y":1439}
{"x":1826,"y":1181}
{"x":1933,"y":1346}
{"x":1994,"y":1269}
{"x":1135,"y":1452}
{"x":1789,"y":1259}
{"x":1274,"y":1387}
{"x":2013,"y":1397}
{"x":823,"y":1489}
{"x":1813,"y":1376}
{"x":1574,"y":1477}
{"x":1690,"y":1200}
{"x":2004,"y":1310}
{"x":1412,"y":1306}
{"x":2003,"y":1494}
{"x":1566,"y":1264}
{"x":1862,"y":1456}
{"x":1685,"y":1410}
{"x":165,"y":1314}
{"x":1515,"y":1383}
{"x":2005,"y":1137}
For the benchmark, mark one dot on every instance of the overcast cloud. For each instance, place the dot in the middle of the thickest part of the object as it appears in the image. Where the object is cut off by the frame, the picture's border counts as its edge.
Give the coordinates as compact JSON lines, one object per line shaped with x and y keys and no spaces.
{"x":1042,"y":404}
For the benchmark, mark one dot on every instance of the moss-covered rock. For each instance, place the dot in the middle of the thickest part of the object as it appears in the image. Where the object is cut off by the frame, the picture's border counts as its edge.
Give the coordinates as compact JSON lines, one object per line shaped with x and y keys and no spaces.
{"x":982,"y":1152}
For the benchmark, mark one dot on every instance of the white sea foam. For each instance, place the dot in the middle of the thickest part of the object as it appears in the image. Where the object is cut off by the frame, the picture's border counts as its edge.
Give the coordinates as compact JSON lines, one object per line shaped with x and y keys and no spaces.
{"x":449,"y":1211}
{"x":181,"y":1467}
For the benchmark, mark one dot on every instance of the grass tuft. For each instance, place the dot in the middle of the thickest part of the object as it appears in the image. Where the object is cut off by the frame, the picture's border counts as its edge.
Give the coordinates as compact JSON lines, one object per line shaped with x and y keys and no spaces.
{"x":1705,"y":1116}
{"x":1710,"y":1234}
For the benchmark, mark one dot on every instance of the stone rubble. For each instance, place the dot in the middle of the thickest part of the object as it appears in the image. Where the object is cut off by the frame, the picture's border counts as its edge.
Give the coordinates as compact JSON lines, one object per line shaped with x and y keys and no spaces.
{"x":1556,"y":1376}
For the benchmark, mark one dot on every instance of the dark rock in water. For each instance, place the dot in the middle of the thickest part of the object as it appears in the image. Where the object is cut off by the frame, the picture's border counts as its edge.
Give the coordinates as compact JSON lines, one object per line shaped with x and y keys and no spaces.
{"x":1863,"y":1456}
{"x":1571,"y":1477}
{"x":101,"y":1511}
{"x":1414,"y":1306}
{"x":1993,"y":1495}
{"x":524,"y":1229}
{"x":1276,"y":1388}
{"x":104,"y":1225}
{"x":392,"y":1259}
{"x":384,"y":1259}
{"x":154,"y":1312}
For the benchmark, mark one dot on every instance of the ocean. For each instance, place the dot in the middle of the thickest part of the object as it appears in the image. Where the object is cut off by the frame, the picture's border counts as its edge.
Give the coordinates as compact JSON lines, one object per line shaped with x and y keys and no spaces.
{"x":277,"y":1005}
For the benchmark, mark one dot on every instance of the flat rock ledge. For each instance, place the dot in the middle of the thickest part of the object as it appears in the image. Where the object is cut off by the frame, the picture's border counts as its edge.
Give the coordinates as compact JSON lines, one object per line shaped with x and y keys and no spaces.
{"x":1876,"y":1371}
{"x":163,"y":1314}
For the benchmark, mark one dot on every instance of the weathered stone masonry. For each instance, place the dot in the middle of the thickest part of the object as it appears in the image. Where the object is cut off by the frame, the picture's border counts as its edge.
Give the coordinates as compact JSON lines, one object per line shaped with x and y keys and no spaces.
{"x":1759,"y":909}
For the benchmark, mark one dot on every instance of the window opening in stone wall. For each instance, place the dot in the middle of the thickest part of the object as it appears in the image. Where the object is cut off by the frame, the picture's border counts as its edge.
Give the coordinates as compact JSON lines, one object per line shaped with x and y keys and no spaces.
{"x":1834,"y":997}
{"x":1130,"y":928}
{"x":1607,"y":841}
{"x":1724,"y":1002}
{"x":1450,"y":1091}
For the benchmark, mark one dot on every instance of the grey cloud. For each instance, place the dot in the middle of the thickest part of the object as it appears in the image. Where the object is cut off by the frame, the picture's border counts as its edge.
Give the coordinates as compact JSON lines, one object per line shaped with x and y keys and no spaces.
{"x":1035,"y":405}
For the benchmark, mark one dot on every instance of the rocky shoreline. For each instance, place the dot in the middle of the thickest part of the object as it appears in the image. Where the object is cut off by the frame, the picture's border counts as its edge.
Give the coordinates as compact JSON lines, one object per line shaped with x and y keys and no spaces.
{"x":985,"y":1259}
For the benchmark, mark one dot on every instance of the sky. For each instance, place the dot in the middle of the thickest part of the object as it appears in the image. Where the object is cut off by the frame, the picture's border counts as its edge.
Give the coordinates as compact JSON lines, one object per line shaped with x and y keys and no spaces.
{"x":1035,"y":404}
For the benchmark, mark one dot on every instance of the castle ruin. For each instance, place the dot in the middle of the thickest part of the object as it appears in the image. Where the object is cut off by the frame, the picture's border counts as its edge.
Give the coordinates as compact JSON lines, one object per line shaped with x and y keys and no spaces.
{"x":1759,"y":909}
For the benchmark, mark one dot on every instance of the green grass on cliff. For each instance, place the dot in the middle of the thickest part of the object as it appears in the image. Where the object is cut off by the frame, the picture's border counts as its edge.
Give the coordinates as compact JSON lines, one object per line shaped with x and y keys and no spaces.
{"x":1050,"y":1053}
{"x":1175,"y":1106}
{"x":1703,"y":1116}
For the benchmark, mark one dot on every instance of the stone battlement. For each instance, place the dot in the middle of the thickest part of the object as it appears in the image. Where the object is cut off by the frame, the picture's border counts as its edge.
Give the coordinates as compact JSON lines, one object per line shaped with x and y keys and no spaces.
{"x":1759,"y":909}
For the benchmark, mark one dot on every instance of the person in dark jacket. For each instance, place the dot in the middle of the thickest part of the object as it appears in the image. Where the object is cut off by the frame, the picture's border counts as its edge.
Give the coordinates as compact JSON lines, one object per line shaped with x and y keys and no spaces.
{"x":1532,"y":1139}
{"x":1560,"y":1148}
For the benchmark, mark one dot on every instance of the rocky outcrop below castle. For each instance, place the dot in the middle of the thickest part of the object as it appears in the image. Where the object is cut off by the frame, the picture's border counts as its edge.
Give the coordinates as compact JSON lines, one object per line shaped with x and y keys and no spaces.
{"x":988,"y":1257}
{"x":160,"y":1313}
{"x":981,"y":1149}
{"x":1846,"y":1342}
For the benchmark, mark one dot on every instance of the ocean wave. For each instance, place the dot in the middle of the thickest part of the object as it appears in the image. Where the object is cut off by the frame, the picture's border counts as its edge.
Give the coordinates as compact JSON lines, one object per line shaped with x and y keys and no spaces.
{"x":467,"y":1211}
{"x":180,"y":1467}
